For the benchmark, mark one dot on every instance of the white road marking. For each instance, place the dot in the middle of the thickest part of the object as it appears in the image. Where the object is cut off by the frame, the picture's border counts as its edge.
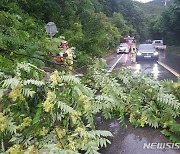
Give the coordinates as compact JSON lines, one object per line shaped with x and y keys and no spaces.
{"x":116,"y":63}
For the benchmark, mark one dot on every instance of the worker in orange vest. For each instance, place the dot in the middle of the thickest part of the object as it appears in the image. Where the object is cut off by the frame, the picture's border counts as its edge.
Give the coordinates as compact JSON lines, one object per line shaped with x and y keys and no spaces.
{"x":133,"y":53}
{"x":67,"y":56}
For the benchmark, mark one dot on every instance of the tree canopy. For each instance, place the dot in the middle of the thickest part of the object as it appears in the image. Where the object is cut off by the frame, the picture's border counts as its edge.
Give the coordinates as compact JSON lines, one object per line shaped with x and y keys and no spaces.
{"x":53,"y":112}
{"x":167,"y":25}
{"x":93,"y":27}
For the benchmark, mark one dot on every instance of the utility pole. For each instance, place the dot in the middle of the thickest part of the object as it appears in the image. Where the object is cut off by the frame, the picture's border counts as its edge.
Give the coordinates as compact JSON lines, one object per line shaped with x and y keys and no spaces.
{"x":165,"y":2}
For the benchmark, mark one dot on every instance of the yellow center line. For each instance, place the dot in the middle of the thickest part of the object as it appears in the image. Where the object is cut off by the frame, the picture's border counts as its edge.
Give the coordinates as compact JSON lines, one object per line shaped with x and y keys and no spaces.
{"x":169,"y":69}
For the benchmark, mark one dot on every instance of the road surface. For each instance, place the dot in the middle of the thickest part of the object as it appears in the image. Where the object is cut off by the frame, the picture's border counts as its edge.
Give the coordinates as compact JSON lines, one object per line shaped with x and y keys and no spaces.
{"x":157,"y":69}
{"x":131,"y":140}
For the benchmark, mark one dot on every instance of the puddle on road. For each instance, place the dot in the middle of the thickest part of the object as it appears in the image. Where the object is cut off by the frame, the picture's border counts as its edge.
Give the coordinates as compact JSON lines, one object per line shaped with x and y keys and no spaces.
{"x":147,"y":68}
{"x":131,"y":140}
{"x":150,"y":67}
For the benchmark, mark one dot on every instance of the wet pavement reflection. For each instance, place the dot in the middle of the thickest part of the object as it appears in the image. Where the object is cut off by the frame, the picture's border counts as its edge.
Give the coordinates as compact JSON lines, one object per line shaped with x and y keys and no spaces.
{"x":131,"y":140}
{"x":145,"y":66}
{"x":153,"y":68}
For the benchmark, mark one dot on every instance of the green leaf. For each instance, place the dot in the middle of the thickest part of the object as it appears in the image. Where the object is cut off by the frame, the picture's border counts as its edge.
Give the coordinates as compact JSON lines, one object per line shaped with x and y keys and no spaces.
{"x":38,"y":115}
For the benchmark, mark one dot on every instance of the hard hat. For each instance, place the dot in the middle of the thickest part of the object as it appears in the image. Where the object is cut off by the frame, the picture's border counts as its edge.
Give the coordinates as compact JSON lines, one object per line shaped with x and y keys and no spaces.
{"x":64,"y":43}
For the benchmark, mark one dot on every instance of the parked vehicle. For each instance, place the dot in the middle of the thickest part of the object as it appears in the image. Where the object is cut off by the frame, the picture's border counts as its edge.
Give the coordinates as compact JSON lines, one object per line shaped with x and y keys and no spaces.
{"x":147,"y":51}
{"x":123,"y":48}
{"x":149,"y":41}
{"x":158,"y":44}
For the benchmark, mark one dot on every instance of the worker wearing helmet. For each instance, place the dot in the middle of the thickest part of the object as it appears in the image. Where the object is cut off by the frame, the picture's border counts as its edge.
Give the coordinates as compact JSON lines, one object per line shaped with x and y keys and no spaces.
{"x":133,"y":53}
{"x":67,"y":55}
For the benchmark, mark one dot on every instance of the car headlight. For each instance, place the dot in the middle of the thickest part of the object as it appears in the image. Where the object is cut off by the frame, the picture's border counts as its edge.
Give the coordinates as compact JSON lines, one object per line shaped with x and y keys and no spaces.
{"x":139,"y":53}
{"x":156,"y":53}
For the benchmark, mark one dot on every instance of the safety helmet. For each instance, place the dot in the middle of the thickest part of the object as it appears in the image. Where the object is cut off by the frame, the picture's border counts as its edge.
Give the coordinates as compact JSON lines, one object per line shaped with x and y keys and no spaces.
{"x":64,"y":43}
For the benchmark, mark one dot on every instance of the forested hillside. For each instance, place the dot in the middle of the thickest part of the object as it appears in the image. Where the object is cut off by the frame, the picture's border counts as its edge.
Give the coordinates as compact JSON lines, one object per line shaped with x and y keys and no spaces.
{"x":53,"y":111}
{"x":167,"y":25}
{"x":162,"y":22}
{"x":150,"y":10}
{"x":93,"y":27}
{"x":161,"y":2}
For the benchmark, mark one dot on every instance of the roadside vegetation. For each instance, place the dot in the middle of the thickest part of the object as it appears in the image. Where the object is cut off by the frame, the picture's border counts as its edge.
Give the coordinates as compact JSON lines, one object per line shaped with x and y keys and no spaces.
{"x":173,"y":49}
{"x":93,"y":27}
{"x":54,"y":113}
{"x":57,"y":115}
{"x":167,"y":25}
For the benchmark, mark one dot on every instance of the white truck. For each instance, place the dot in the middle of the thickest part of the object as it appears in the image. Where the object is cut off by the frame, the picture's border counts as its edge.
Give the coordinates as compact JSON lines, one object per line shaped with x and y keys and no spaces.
{"x":158,"y":44}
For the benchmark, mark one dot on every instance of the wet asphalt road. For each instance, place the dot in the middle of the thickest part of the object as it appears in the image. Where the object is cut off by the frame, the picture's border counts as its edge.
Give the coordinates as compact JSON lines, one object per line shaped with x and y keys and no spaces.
{"x":148,"y":66}
{"x":131,"y":140}
{"x":172,"y":60}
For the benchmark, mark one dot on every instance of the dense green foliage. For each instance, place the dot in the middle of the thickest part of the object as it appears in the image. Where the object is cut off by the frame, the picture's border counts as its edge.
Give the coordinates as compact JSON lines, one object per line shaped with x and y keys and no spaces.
{"x":162,"y":22}
{"x":161,"y":2}
{"x":22,"y":27}
{"x":134,"y":15}
{"x":56,"y":114}
{"x":52,"y":116}
{"x":143,"y":100}
{"x":167,"y":25}
{"x":149,"y":9}
{"x":93,"y":27}
{"x":22,"y":34}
